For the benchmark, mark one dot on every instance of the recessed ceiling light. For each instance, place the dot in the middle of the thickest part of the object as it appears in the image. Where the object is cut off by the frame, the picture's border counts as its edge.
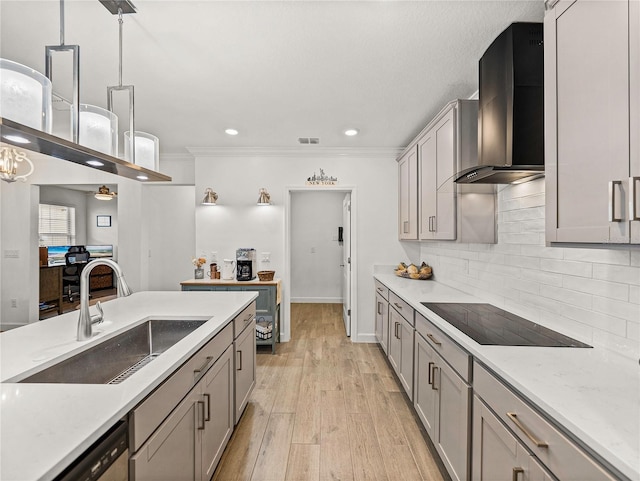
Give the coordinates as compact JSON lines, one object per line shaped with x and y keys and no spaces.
{"x":351,"y":132}
{"x":231,"y":131}
{"x":142,"y":177}
{"x":16,"y":138}
{"x":95,"y":163}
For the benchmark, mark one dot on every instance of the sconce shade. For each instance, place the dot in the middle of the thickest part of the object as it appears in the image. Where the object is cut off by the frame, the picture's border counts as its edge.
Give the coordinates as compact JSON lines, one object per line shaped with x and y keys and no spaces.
{"x":25,"y":95}
{"x":147,"y":150}
{"x":210,"y":197}
{"x":104,"y":194}
{"x":10,"y":162}
{"x":264,"y":198}
{"x":98,"y":129}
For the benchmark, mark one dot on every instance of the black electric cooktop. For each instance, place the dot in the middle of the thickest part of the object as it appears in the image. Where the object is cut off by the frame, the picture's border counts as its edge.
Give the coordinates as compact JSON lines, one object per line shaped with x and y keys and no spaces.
{"x":489,"y":325}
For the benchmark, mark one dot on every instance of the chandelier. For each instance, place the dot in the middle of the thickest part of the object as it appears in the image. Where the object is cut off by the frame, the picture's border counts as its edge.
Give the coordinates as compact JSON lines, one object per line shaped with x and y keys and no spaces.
{"x":11,"y":162}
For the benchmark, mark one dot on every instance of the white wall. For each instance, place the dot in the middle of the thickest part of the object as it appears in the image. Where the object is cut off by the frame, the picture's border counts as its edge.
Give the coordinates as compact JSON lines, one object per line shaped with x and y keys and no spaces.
{"x":592,"y":295}
{"x":238,"y":222}
{"x":170,"y":212}
{"x":102,"y":235}
{"x":316,"y":255}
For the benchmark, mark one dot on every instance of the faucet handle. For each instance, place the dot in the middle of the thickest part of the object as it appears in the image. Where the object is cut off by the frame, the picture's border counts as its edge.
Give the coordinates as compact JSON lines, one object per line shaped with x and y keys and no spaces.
{"x":98,"y":318}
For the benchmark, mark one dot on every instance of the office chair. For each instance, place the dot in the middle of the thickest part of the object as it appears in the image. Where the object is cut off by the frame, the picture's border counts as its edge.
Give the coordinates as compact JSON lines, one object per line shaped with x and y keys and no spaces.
{"x":75,"y":258}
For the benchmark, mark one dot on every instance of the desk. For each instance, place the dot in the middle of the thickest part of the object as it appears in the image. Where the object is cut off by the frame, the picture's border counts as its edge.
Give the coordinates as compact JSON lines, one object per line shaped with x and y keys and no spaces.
{"x":51,"y":288}
{"x":267,"y":303}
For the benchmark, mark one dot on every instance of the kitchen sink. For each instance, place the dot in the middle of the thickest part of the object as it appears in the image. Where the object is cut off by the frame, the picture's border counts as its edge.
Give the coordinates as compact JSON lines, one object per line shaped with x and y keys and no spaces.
{"x":115,"y":359}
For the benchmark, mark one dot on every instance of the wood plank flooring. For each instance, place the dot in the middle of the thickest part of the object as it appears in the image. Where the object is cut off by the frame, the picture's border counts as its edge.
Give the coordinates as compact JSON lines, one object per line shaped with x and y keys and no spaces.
{"x":325,"y":408}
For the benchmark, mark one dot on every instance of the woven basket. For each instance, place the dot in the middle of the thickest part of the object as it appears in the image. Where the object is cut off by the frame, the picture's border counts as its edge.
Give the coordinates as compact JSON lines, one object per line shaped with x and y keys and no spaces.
{"x":266,"y":275}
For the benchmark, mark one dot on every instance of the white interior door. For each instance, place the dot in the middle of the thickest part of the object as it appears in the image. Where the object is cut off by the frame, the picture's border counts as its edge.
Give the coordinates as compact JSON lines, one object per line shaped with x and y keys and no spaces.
{"x":346,"y":263}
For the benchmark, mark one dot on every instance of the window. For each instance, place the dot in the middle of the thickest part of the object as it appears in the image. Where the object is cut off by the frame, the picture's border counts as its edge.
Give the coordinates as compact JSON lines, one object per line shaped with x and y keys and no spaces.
{"x":57,"y":225}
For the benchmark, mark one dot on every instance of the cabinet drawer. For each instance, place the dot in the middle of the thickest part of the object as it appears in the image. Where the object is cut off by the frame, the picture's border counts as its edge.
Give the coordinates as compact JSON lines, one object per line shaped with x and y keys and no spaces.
{"x":244,"y":319}
{"x":382,"y":289}
{"x":457,"y":357}
{"x":149,"y":414}
{"x":565,"y":460}
{"x":404,"y":309}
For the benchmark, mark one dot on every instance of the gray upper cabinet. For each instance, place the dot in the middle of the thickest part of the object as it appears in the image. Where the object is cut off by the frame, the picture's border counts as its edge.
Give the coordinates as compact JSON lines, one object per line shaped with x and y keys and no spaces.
{"x":445,"y":210}
{"x":591,"y":115}
{"x":408,"y":195}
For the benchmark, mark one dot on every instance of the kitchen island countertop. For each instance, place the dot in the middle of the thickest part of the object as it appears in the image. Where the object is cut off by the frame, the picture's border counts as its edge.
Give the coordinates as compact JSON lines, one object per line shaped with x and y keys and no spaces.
{"x":593,"y":393}
{"x":45,"y":427}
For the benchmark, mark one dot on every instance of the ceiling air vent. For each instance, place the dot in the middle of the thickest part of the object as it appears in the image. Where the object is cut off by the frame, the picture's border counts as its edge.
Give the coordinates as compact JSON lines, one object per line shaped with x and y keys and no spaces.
{"x":308,"y":140}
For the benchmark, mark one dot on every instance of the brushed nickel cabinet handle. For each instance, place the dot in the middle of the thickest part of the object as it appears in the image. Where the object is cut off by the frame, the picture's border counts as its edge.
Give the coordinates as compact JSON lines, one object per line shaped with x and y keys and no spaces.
{"x":633,"y":198}
{"x":433,"y":377}
{"x":395,"y":330}
{"x":612,"y":201}
{"x":430,"y":377}
{"x":380,"y":289}
{"x":379,"y":307}
{"x":202,"y":368}
{"x":435,"y":341}
{"x":516,"y":472}
{"x":208,"y":398}
{"x":397,"y":305}
{"x":200,"y":404}
{"x":532,"y":438}
{"x":240,"y":361}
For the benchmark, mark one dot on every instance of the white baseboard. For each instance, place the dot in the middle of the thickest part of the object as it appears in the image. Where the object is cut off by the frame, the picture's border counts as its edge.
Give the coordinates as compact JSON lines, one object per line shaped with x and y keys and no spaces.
{"x":316,"y":300}
{"x":367,"y":338}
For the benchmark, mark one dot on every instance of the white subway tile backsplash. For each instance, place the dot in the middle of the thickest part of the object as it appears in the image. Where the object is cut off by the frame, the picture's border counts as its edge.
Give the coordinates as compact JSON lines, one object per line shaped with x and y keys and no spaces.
{"x":600,"y":256}
{"x":612,"y":290}
{"x":628,"y":275}
{"x":582,"y":269}
{"x":589,"y":294}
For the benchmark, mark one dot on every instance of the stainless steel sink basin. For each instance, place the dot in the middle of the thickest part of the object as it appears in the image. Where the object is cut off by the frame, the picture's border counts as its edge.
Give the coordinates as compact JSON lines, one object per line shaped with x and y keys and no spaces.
{"x":115,"y":359}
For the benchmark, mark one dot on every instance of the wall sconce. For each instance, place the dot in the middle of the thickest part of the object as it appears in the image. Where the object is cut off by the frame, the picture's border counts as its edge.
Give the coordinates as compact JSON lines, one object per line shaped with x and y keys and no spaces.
{"x":210,"y":197}
{"x":104,"y":194}
{"x":264,"y":198}
{"x":10,"y":161}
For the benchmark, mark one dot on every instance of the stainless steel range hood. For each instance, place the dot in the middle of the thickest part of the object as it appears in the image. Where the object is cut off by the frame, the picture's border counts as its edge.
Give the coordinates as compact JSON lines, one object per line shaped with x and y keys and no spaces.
{"x":48,"y":144}
{"x":510,"y":109}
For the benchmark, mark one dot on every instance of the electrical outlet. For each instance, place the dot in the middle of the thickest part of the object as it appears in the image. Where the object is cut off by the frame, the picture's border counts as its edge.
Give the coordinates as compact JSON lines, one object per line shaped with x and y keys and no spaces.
{"x":313,"y":250}
{"x":265,"y":256}
{"x":214,"y":256}
{"x":14,"y":303}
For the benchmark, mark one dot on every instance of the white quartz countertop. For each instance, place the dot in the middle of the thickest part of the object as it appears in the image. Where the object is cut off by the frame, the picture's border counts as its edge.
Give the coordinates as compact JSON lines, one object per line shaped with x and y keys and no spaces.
{"x":45,"y":427}
{"x":592,"y":393}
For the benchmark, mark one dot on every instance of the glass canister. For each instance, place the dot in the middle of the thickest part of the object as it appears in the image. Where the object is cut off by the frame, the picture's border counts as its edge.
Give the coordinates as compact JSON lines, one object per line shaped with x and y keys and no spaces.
{"x":25,"y":95}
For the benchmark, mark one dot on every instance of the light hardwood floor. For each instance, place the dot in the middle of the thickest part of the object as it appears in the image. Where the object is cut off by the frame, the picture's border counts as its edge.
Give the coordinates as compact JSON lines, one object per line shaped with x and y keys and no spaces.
{"x":325,"y":408}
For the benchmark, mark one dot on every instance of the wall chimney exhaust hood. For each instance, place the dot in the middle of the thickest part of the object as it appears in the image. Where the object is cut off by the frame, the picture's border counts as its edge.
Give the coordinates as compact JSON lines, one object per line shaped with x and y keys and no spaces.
{"x":26,"y":138}
{"x":511,"y":109}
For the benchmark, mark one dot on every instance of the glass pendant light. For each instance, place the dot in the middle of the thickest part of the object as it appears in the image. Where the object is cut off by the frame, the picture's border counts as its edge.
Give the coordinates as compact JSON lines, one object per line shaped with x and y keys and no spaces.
{"x":147,"y":150}
{"x":25,"y":95}
{"x":98,"y":129}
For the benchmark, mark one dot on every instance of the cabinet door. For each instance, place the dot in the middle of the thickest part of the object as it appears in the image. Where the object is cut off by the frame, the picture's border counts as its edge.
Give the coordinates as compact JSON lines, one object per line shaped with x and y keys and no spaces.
{"x":215,"y":416}
{"x":395,"y":344}
{"x":172,"y":452}
{"x":444,"y":224}
{"x":266,"y":298}
{"x":427,"y":152}
{"x":245,"y":368}
{"x":497,"y":455}
{"x":634,"y":104}
{"x":452,"y":429}
{"x":587,"y":121}
{"x":408,"y":196}
{"x":425,"y":398}
{"x":405,"y":373}
{"x":382,"y":322}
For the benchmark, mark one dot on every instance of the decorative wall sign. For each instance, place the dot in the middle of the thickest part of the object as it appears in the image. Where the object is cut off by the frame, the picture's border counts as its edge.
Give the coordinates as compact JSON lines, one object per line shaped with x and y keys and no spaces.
{"x":322,"y":179}
{"x":104,"y":220}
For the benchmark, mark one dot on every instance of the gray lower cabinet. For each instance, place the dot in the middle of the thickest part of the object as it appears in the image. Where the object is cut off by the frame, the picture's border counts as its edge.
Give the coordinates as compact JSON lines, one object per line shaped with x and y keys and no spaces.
{"x":189,"y":443}
{"x":442,"y":401}
{"x":497,"y":455}
{"x":245,"y":368}
{"x":400,"y":351}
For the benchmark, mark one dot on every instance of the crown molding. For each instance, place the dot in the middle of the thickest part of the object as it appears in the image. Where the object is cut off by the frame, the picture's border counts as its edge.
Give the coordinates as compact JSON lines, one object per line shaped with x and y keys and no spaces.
{"x":187,"y":156}
{"x":304,"y":152}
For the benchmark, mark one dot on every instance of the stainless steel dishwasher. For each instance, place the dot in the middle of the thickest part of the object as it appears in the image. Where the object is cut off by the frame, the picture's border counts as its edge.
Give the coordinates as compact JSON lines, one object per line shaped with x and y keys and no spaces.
{"x":106,"y":460}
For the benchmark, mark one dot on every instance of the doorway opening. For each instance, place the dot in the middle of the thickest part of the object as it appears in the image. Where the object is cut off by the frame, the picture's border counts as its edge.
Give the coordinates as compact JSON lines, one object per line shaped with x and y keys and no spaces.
{"x":320,"y":251}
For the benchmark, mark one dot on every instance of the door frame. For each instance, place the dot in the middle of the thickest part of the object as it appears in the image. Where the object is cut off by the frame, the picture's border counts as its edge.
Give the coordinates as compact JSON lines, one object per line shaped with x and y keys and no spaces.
{"x":285,"y":335}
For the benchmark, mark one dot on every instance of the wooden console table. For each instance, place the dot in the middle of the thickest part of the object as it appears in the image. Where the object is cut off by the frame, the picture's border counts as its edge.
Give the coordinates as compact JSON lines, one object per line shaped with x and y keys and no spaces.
{"x":267,"y":303}
{"x":51,"y":288}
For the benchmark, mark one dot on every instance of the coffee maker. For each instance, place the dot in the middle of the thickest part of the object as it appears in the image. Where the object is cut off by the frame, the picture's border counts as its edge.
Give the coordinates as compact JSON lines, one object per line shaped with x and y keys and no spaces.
{"x":246,"y":267}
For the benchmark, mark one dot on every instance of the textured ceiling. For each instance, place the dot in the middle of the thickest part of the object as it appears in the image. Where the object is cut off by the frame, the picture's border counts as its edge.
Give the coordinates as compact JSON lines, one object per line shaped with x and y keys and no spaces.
{"x":273,"y":70}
